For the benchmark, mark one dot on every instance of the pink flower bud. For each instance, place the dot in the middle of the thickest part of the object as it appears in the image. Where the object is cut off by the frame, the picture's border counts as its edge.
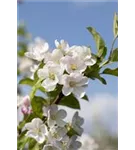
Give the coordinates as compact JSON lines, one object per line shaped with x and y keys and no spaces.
{"x":24,"y":110}
{"x":26,"y":101}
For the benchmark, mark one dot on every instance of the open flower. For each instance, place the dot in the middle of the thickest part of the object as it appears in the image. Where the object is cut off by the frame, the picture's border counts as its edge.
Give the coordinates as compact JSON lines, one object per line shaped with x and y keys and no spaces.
{"x":77,"y":122}
{"x":73,"y":64}
{"x":74,"y":83}
{"x":62,"y":45}
{"x":54,"y":115}
{"x":68,"y":143}
{"x":37,"y":130}
{"x":84,"y":53}
{"x":56,"y":134}
{"x":37,"y":50}
{"x":51,"y":74}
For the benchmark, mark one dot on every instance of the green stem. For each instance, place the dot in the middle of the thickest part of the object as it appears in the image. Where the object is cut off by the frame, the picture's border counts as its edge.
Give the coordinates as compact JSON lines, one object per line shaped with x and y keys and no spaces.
{"x":34,"y":89}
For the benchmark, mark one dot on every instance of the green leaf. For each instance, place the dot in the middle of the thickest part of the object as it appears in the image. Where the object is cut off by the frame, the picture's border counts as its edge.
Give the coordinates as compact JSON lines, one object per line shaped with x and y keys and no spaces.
{"x":21,"y":31}
{"x":27,"y":81}
{"x":109,"y":71}
{"x":100,"y":44}
{"x":115,"y":25}
{"x":54,"y":94}
{"x":101,"y":79}
{"x":94,"y":74}
{"x":37,"y":104}
{"x":114,"y":55}
{"x":21,"y":52}
{"x":33,"y":145}
{"x":70,"y":101}
{"x":85,"y":97}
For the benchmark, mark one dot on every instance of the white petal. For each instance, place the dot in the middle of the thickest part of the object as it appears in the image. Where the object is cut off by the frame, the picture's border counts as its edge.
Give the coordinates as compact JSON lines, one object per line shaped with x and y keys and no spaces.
{"x":61,"y":114}
{"x":49,"y":82}
{"x":45,"y":111}
{"x":46,"y":46}
{"x":31,"y":134}
{"x":30,"y":55}
{"x":43,"y":129}
{"x":83,"y":81}
{"x":51,"y":122}
{"x":91,"y":61}
{"x":53,"y":109}
{"x":37,"y":122}
{"x":57,"y":55}
{"x":61,"y":132}
{"x":29,"y":126}
{"x":43,"y":73}
{"x":79,"y":92}
{"x":40,"y":138}
{"x":82,"y":67}
{"x":56,"y":43}
{"x":60,"y":122}
{"x":67,"y":90}
{"x":64,"y":79}
{"x":78,"y":129}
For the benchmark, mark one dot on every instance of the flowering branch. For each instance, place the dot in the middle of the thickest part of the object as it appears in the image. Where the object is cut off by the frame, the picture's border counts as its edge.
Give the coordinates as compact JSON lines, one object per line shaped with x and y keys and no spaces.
{"x":62,"y":75}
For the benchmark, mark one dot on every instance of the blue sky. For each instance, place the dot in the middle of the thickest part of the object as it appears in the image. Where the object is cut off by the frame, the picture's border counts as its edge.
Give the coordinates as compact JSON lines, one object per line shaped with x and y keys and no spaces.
{"x":68,"y":21}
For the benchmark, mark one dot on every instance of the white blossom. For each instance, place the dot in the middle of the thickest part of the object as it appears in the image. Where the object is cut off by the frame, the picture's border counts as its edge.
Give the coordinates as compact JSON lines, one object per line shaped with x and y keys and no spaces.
{"x":51,"y":73}
{"x":74,"y":83}
{"x":38,"y":49}
{"x":62,"y":45}
{"x":68,"y":143}
{"x":54,"y":115}
{"x":56,"y":134}
{"x":77,"y":122}
{"x":37,"y":130}
{"x":84,"y":53}
{"x":73,"y":64}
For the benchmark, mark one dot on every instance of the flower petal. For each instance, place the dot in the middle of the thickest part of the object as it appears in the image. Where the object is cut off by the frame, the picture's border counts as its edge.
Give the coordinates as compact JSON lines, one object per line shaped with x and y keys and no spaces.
{"x":31,"y":134}
{"x":61,"y":114}
{"x":79,"y":92}
{"x":43,"y":129}
{"x":37,"y":122}
{"x":51,"y":122}
{"x":91,"y":61}
{"x":83,"y":81}
{"x":60,"y":122}
{"x":56,"y":43}
{"x":43,"y":73}
{"x":40,"y":138}
{"x":67,"y":90}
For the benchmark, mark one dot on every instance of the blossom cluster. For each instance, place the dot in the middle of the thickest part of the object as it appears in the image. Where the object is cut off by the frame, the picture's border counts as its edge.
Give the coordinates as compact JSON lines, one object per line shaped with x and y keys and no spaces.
{"x":53,"y":132}
{"x":63,"y":65}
